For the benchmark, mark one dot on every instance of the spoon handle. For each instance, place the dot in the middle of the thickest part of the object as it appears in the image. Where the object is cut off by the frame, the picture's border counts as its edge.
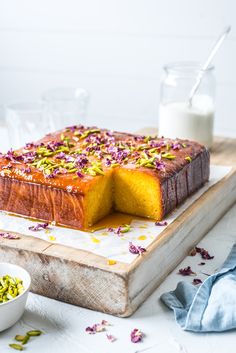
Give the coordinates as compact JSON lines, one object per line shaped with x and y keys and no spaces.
{"x":206,"y":64}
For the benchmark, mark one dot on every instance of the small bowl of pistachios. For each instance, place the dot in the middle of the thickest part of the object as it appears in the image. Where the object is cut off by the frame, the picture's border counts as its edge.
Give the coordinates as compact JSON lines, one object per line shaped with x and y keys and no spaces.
{"x":14,"y":288}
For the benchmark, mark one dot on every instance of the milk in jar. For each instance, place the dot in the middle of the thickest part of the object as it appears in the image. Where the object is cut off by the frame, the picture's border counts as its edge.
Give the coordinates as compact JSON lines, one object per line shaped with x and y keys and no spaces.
{"x":178,"y":118}
{"x":195,"y":122}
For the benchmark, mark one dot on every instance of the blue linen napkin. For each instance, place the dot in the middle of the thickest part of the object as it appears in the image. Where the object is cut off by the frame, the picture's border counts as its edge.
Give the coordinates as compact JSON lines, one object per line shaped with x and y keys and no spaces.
{"x":212,"y":306}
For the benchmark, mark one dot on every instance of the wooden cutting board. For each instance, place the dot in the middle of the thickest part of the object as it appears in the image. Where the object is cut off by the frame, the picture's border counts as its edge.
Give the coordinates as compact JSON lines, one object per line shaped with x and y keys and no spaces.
{"x":85,"y":279}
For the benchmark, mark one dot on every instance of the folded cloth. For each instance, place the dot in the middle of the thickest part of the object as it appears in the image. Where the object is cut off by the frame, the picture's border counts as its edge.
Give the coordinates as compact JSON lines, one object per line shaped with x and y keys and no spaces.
{"x":212,"y":306}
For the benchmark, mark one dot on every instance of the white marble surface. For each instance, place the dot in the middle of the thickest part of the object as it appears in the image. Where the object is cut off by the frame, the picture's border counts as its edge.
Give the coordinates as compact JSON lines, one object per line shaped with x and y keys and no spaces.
{"x":64,"y":325}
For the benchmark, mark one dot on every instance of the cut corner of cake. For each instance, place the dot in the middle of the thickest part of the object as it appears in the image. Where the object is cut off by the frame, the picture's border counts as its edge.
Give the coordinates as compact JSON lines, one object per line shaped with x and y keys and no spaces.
{"x":79,"y":175}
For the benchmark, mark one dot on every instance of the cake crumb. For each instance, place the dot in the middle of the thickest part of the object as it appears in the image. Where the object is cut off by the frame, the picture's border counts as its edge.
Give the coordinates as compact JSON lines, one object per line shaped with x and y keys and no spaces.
{"x":142,"y":237}
{"x":95,"y":240}
{"x":111,"y":262}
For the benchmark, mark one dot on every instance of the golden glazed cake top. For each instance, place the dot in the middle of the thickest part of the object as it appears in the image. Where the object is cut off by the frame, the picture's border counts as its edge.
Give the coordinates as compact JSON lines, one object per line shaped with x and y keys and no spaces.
{"x":72,"y":158}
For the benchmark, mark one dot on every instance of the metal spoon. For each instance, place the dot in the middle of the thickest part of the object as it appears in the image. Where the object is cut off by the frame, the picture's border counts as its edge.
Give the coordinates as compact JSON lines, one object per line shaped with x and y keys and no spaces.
{"x":207,"y":63}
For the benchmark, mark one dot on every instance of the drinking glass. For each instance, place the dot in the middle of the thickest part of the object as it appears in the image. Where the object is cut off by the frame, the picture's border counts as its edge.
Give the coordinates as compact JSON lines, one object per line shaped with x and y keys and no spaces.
{"x":25,"y":122}
{"x":65,"y":106}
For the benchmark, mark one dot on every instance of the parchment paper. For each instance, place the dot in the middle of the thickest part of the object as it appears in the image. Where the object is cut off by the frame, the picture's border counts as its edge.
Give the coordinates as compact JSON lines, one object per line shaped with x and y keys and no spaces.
{"x":103,"y":242}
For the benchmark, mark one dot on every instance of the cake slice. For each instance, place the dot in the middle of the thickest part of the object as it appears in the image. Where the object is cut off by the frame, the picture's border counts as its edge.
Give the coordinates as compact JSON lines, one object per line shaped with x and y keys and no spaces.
{"x":78,"y":175}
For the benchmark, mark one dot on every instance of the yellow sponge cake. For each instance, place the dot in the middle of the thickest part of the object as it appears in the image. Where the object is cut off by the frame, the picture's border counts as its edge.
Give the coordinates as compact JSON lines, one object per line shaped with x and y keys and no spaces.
{"x":78,"y":175}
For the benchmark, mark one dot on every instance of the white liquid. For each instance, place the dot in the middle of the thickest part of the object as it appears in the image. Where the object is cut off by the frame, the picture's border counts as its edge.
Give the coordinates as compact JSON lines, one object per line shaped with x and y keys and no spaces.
{"x":195,"y":123}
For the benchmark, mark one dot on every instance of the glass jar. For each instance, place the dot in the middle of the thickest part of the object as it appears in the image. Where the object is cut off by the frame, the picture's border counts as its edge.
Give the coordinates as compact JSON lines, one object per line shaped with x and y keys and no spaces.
{"x":178,"y":118}
{"x":65,"y":106}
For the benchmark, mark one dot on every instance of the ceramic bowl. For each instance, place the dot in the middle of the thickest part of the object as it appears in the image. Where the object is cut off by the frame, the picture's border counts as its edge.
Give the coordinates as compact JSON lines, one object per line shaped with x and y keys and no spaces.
{"x":11,"y":311}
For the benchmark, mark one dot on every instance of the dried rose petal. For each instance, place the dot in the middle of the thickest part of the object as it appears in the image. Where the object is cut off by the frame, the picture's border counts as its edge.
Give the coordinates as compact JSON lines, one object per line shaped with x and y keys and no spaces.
{"x":175,"y":146}
{"x":39,"y":227}
{"x":48,"y":176}
{"x":202,"y":264}
{"x":9,"y":236}
{"x":80,"y":175}
{"x":60,"y":155}
{"x":8,"y":166}
{"x":136,"y":335}
{"x":204,"y":253}
{"x":159,"y":165}
{"x":108,"y":162}
{"x":133,"y":249}
{"x":161,"y":224}
{"x":26,"y":170}
{"x":53,"y":145}
{"x":120,"y":230}
{"x":11,"y":156}
{"x":69,"y":159}
{"x":111,"y":338}
{"x":81,"y":160}
{"x":29,"y":145}
{"x":197,"y":281}
{"x":187,"y":271}
{"x":74,"y":127}
{"x":91,"y":330}
{"x":97,"y":327}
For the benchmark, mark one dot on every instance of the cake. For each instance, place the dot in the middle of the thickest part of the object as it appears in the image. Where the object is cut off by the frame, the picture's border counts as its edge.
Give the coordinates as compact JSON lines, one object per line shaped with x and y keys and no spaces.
{"x":78,"y":175}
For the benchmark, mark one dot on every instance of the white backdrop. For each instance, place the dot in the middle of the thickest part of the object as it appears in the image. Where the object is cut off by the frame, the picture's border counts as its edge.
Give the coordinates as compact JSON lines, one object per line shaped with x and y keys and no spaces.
{"x":116,"y":50}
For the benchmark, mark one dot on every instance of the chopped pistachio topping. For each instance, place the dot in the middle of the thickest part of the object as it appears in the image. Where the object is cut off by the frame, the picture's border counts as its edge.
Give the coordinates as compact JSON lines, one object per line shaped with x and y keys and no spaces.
{"x":126,"y":228}
{"x":6,"y":171}
{"x":34,"y":333}
{"x":16,"y":346}
{"x":81,"y":151}
{"x":19,"y":338}
{"x":10,"y":288}
{"x":168,"y":156}
{"x":147,"y":138}
{"x":89,"y":132}
{"x":95,"y":169}
{"x":143,"y":147}
{"x":24,"y":339}
{"x":114,"y":165}
{"x":188,"y":158}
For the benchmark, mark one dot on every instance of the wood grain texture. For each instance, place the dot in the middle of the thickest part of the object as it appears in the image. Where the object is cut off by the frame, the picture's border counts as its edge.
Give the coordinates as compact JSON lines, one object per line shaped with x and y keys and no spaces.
{"x":223,"y":151}
{"x":82,"y":278}
{"x":178,"y":239}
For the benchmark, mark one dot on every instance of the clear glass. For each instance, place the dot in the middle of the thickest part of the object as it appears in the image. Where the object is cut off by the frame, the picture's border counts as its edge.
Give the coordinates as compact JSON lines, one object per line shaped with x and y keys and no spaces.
{"x":176,"y":117}
{"x":25,"y":122}
{"x":65,"y":106}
